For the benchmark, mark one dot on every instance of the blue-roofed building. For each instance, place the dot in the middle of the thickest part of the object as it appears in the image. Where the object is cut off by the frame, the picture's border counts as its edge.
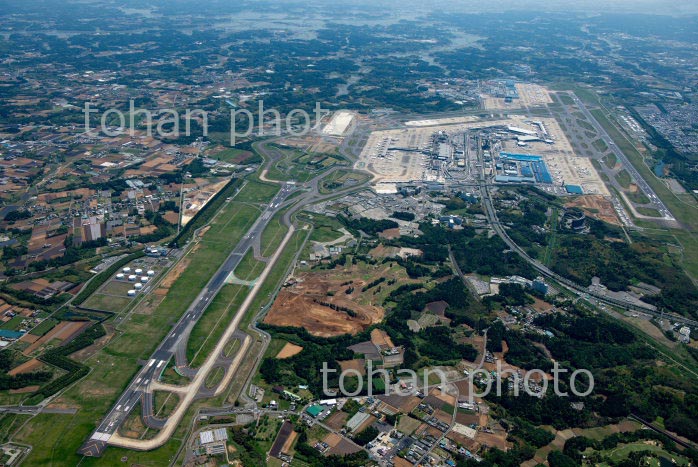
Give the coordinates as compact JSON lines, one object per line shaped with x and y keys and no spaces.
{"x":574,"y":189}
{"x":11,"y":335}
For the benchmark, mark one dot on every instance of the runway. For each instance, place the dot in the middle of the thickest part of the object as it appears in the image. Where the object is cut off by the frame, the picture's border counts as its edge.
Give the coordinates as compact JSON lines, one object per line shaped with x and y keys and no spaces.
{"x":176,"y":340}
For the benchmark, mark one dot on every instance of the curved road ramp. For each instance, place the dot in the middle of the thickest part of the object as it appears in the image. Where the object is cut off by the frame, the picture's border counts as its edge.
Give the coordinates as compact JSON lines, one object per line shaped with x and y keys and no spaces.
{"x":146,"y":382}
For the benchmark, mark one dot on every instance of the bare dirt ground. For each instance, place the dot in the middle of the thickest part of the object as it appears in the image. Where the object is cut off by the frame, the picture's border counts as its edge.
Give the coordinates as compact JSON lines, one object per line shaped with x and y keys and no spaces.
{"x":289,"y":442}
{"x":596,"y":206}
{"x":26,"y":367}
{"x":337,"y":420}
{"x":84,"y":354}
{"x":24,"y":390}
{"x":289,"y":350}
{"x":381,"y":338}
{"x":497,"y":440}
{"x":354,"y":365}
{"x":382,"y":251}
{"x":63,"y":331}
{"x":305,"y":304}
{"x":174,"y":273}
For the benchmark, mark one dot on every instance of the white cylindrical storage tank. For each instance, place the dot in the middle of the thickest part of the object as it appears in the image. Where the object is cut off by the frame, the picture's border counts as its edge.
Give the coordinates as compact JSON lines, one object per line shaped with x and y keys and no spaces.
{"x":144,"y":279}
{"x":127,"y":269}
{"x":138,"y":286}
{"x":132,"y":277}
{"x":120,"y":275}
{"x":151,"y":273}
{"x":131,"y":293}
{"x":138,"y":271}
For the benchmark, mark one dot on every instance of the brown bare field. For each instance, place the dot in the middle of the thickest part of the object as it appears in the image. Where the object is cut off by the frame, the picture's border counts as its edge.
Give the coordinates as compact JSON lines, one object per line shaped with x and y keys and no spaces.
{"x":381,"y":338}
{"x":444,"y":397}
{"x":337,"y":420}
{"x":497,"y":440}
{"x":400,"y":462}
{"x":31,"y":338}
{"x":68,"y":329}
{"x":596,"y":206}
{"x":390,"y":233}
{"x":26,"y":367}
{"x":383,"y":251}
{"x":301,"y":304}
{"x":289,"y":350}
{"x":24,"y":390}
{"x":83,"y":354}
{"x":63,"y":331}
{"x":289,"y":442}
{"x":343,"y":448}
{"x":354,"y":365}
{"x":174,"y":273}
{"x":369,"y":421}
{"x":332,"y":439}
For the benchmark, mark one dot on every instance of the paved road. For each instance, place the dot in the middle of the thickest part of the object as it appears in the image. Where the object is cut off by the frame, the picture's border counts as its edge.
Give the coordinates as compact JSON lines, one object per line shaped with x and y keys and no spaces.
{"x":176,"y":340}
{"x":137,"y":391}
{"x":491,"y":214}
{"x":639,"y":180}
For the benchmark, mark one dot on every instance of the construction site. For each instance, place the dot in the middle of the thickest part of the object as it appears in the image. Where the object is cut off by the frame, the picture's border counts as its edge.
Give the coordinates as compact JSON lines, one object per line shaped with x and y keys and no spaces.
{"x":332,"y":302}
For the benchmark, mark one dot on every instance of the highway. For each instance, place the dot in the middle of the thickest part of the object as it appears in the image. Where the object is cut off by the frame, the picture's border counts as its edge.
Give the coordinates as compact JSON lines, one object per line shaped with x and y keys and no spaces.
{"x":641,"y":183}
{"x":137,"y":391}
{"x":491,"y":214}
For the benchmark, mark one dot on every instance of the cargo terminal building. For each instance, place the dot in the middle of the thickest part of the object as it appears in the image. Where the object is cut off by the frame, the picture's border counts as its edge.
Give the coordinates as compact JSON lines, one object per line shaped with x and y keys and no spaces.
{"x":521,"y":168}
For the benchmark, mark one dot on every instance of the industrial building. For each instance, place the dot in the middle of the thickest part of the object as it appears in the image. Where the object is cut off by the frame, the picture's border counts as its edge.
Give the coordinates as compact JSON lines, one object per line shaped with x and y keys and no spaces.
{"x":521,"y":168}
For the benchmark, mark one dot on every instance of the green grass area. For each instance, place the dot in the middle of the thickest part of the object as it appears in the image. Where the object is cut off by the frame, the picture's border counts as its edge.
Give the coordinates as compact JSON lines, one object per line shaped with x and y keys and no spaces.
{"x":231,"y":155}
{"x":689,"y":244}
{"x":170,"y":375}
{"x":11,"y":399}
{"x":257,"y":192}
{"x":326,"y":229}
{"x":610,"y":160}
{"x":212,"y":324}
{"x":249,"y":268}
{"x":57,"y":437}
{"x":111,"y":303}
{"x":231,"y":347}
{"x":214,"y":378}
{"x":9,"y":423}
{"x":599,"y":170}
{"x":340,"y":179}
{"x":13,"y":324}
{"x":274,"y":347}
{"x":584,"y":124}
{"x":44,"y":327}
{"x":301,"y":166}
{"x":623,"y":451}
{"x":273,"y":235}
{"x":624,"y":179}
{"x":164,"y":403}
{"x":638,"y":197}
{"x":600,"y":145}
{"x":115,"y":287}
{"x":648,"y":211}
{"x":565,"y":99}
{"x":552,"y":238}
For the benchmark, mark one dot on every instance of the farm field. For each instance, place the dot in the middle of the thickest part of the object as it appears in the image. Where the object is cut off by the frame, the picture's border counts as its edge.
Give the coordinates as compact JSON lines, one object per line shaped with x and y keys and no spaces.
{"x":113,"y":366}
